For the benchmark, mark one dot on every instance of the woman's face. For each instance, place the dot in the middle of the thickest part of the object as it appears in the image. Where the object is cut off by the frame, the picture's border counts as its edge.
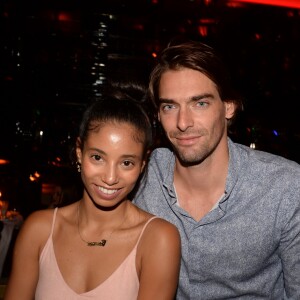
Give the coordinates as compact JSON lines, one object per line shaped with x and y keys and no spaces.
{"x":111,"y":162}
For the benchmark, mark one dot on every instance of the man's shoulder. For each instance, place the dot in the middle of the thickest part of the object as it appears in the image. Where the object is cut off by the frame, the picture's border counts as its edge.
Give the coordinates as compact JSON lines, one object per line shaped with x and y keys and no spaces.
{"x":162,"y":161}
{"x":161,"y":153}
{"x":259,"y":159}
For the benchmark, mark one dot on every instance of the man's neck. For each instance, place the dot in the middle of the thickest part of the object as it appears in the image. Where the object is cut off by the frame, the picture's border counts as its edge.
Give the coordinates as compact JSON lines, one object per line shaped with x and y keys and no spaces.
{"x":199,"y":187}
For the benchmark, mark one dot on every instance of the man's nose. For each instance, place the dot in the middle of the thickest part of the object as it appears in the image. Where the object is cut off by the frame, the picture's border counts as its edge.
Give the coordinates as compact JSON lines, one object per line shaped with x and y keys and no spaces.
{"x":184,"y":119}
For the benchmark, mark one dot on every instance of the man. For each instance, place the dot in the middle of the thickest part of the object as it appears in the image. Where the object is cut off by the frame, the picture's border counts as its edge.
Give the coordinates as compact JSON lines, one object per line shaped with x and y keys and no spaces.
{"x":237,"y":209}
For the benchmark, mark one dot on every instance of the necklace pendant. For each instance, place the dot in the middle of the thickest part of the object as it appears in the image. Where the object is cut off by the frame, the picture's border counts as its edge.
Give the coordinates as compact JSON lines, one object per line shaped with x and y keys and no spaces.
{"x":101,"y":243}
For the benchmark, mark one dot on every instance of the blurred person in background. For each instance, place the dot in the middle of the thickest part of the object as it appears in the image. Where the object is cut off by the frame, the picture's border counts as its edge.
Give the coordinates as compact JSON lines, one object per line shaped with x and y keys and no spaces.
{"x":65,"y":193}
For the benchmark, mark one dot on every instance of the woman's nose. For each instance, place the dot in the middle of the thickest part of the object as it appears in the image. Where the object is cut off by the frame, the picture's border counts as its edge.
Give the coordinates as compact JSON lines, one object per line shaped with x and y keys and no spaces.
{"x":110,"y":175}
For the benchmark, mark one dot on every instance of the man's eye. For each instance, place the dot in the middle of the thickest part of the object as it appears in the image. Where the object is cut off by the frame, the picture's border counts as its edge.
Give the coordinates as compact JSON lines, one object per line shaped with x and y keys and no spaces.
{"x":202,"y":103}
{"x":167,"y":106}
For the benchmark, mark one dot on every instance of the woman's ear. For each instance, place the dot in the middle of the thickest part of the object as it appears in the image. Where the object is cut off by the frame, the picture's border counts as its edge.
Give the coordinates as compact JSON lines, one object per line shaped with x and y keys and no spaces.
{"x":145,"y":160}
{"x":143,"y":166}
{"x":78,"y":150}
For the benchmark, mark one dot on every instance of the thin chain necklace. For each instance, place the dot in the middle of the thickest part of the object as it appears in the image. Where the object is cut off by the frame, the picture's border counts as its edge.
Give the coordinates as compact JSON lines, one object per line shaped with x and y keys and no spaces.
{"x":101,"y":243}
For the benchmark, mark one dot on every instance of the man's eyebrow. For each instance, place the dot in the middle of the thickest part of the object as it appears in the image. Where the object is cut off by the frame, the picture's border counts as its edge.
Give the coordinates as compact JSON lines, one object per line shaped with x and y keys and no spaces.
{"x":193,"y":98}
{"x":165,"y":100}
{"x":202,"y":96}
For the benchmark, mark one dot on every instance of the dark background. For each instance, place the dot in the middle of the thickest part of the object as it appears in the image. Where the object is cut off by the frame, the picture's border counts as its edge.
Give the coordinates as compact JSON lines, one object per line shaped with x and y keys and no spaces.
{"x":55,"y":55}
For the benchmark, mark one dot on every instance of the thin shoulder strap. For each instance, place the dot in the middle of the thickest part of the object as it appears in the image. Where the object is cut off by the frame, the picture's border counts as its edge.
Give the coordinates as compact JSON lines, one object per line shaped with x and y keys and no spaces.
{"x":53,"y":222}
{"x":154,"y":217}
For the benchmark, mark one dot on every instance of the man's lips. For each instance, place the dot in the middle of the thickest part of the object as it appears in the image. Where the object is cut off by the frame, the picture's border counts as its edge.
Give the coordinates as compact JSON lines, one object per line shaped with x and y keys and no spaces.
{"x":186,"y":140}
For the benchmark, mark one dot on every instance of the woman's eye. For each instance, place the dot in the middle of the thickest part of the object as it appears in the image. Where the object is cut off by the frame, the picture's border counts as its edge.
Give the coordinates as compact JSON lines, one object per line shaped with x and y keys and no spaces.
{"x":127,"y":163}
{"x":96,"y":157}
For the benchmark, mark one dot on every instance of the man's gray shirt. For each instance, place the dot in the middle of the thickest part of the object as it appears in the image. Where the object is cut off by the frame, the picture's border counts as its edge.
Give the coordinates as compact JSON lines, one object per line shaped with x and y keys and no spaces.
{"x":249,"y":246}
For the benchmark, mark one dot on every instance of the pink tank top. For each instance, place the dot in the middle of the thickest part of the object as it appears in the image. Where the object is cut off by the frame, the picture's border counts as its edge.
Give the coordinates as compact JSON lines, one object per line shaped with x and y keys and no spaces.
{"x":123,"y":284}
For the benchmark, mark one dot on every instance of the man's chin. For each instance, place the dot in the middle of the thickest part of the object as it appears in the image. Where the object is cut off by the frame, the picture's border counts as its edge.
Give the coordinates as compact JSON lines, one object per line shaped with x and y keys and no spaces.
{"x":187,"y":159}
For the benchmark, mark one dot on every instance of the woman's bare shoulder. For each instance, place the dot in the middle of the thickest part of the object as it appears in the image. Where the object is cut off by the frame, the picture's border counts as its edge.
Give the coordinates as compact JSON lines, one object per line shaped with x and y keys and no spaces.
{"x":35,"y":229}
{"x":160,"y":231}
{"x":45,"y":217}
{"x":157,"y":225}
{"x":38,"y":221}
{"x":159,"y":249}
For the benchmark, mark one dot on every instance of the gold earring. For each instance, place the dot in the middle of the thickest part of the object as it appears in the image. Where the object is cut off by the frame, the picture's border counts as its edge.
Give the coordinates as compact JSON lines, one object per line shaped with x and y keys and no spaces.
{"x":78,"y":165}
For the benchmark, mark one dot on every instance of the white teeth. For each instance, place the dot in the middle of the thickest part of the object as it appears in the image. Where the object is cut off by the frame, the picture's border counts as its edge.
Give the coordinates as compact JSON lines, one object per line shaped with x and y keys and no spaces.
{"x":106,"y":191}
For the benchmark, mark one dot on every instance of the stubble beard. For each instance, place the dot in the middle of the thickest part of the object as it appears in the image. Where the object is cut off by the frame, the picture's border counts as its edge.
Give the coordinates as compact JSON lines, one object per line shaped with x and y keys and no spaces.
{"x":196,"y":154}
{"x":190,"y":157}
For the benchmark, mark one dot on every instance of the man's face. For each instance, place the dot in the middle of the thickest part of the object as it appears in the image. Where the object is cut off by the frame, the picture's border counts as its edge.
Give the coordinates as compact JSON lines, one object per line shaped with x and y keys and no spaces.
{"x":192,"y":114}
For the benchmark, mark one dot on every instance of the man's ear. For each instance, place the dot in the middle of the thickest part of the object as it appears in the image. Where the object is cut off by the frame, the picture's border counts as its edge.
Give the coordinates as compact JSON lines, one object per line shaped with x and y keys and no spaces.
{"x":230,"y":108}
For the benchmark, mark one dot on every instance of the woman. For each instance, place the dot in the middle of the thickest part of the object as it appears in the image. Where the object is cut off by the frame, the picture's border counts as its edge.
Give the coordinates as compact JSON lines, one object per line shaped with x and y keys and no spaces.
{"x":103,"y":246}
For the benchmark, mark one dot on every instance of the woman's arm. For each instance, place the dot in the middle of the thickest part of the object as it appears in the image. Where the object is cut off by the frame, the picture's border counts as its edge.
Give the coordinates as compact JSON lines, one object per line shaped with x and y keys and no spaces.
{"x":160,"y":261}
{"x":25,"y":265}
